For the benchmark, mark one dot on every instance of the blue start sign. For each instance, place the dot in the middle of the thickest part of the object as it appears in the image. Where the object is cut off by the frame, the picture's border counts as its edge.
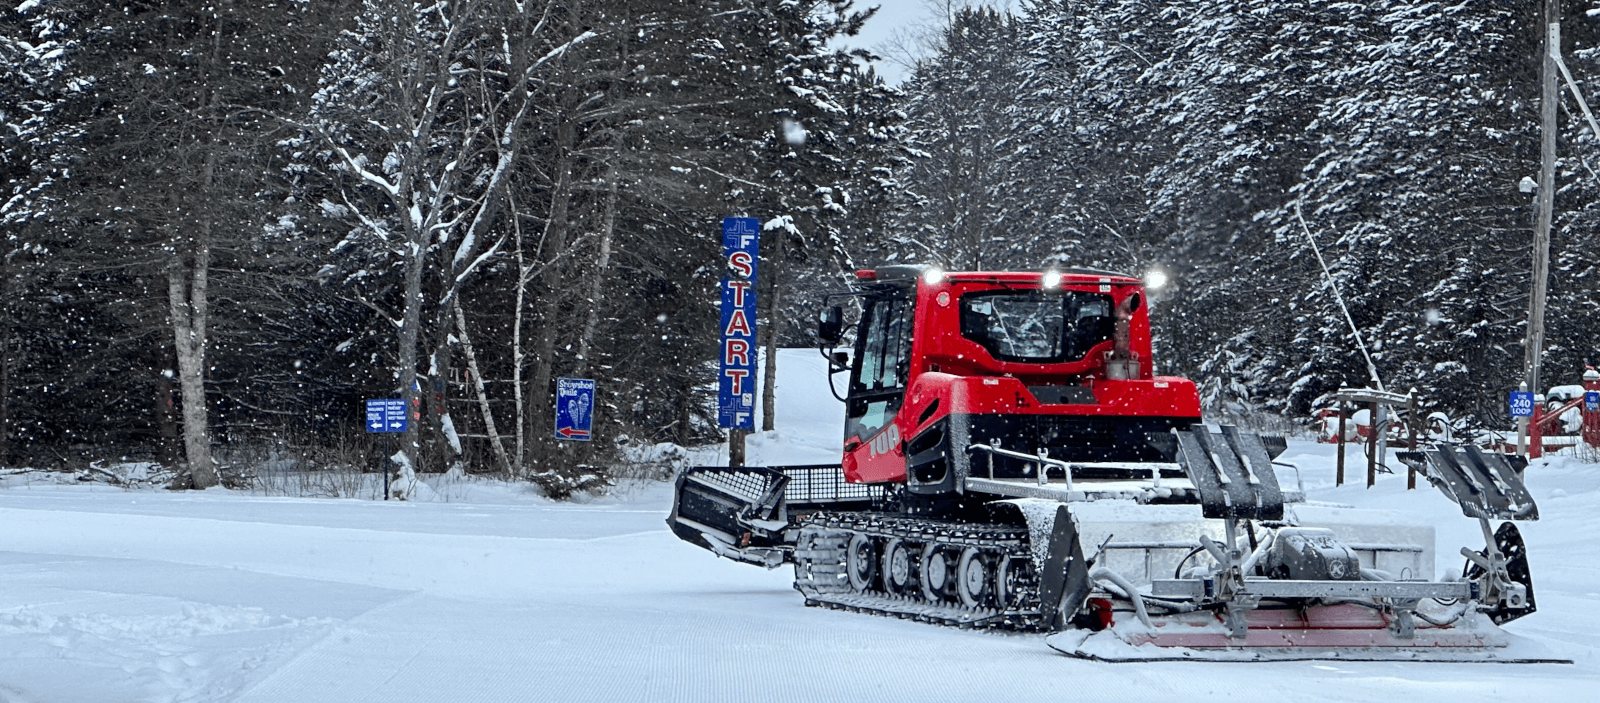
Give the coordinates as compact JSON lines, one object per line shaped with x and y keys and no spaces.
{"x":736,"y":396}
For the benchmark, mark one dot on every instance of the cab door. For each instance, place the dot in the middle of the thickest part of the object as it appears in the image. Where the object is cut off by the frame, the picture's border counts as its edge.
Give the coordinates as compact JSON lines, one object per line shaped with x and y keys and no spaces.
{"x":872,"y":446}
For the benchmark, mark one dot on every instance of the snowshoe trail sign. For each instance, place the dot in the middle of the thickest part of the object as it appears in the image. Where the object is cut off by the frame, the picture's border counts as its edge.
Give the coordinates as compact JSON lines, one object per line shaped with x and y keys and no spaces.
{"x":574,"y":408}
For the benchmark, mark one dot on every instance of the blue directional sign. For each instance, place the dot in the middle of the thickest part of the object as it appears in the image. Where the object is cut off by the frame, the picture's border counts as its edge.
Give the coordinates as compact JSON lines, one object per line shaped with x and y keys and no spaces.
{"x":1591,"y":401}
{"x":386,"y":415}
{"x":574,"y":408}
{"x":1522,"y":403}
{"x":736,"y":393}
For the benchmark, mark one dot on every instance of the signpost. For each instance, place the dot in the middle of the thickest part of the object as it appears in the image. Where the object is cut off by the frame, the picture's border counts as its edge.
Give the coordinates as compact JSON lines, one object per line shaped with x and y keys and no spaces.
{"x":1591,"y":409}
{"x":736,"y":396}
{"x":1522,"y":412}
{"x":386,"y":416}
{"x":574,"y":408}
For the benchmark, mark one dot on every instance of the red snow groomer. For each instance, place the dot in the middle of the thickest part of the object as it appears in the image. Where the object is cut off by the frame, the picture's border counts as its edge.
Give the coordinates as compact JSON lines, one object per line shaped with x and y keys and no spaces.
{"x":1011,"y":461}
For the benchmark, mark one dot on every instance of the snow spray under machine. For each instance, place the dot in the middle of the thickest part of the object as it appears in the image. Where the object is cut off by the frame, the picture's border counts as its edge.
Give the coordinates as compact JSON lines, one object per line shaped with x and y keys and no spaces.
{"x":1011,"y":462}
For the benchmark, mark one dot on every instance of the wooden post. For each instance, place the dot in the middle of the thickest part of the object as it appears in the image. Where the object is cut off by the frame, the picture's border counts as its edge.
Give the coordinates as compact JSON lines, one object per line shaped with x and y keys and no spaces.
{"x":1413,"y":423}
{"x":736,"y":447}
{"x":1536,"y":428}
{"x":1372,"y":445}
{"x":1591,"y":418}
{"x":1522,"y":429}
{"x":1522,"y":436}
{"x":1338,"y":477}
{"x":385,"y":461}
{"x":1533,"y":344}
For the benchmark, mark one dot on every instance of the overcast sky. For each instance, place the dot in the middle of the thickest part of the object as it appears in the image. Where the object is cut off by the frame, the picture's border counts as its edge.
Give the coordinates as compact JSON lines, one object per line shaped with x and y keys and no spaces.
{"x":895,"y":18}
{"x":896,"y":26}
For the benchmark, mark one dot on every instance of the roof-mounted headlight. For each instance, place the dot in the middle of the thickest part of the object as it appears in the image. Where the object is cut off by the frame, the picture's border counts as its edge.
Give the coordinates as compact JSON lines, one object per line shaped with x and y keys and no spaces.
{"x":1154,"y":279}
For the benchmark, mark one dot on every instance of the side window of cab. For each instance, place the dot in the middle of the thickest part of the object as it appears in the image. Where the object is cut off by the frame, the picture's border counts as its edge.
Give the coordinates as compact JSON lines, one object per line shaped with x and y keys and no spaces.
{"x":877,"y":387}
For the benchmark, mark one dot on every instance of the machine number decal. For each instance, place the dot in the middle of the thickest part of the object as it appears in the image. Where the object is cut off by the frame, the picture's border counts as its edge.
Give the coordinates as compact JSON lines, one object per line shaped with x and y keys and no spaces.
{"x":886,"y":440}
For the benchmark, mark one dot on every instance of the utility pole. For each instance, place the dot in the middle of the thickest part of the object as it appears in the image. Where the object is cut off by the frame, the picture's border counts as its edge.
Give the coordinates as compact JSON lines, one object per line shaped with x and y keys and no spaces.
{"x":1549,"y":72}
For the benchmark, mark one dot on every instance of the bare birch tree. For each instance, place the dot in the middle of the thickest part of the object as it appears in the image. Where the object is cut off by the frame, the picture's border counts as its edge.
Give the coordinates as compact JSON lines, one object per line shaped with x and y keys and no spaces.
{"x":419,"y":120}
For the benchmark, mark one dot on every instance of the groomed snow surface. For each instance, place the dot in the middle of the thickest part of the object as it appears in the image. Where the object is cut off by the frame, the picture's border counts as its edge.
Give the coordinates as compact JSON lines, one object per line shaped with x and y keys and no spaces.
{"x":499,"y":595}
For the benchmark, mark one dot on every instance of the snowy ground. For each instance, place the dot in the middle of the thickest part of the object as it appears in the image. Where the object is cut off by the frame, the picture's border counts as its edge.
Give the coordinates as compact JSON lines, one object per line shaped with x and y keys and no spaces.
{"x":497,"y":595}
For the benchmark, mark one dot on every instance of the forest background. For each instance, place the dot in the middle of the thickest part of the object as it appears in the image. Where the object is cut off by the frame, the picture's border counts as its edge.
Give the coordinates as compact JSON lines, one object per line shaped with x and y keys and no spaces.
{"x":225,"y":224}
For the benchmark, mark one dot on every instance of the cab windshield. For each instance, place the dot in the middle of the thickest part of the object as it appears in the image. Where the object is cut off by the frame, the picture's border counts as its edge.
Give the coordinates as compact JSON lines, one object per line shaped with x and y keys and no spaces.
{"x":1035,"y":326}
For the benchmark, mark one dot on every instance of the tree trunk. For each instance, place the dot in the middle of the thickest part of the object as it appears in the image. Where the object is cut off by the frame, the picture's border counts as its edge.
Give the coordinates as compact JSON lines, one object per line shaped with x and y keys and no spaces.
{"x":452,"y":276}
{"x":541,"y":406}
{"x":769,"y":371}
{"x":608,"y":226}
{"x":166,"y":425}
{"x":597,"y":278}
{"x":519,"y":57}
{"x":683,"y":433}
{"x":516,"y":346}
{"x":407,"y":359}
{"x":483,"y":396}
{"x":440,"y":370}
{"x":186,"y":298}
{"x":5,"y":360}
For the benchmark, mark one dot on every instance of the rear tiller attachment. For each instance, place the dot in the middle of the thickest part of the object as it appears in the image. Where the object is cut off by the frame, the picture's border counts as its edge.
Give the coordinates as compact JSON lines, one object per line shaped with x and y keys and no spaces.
{"x":1487,"y":486}
{"x":1274,"y":590}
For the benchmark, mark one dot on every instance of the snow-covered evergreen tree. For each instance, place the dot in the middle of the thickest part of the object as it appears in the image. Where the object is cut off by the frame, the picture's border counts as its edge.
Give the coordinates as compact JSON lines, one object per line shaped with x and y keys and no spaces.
{"x":959,"y":102}
{"x":1184,"y":134}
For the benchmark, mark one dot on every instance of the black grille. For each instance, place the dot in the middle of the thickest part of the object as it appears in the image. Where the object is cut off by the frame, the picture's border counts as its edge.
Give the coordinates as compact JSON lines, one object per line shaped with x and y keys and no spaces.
{"x":810,"y":484}
{"x":1078,"y":438}
{"x":825,"y":484}
{"x":748,"y":485}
